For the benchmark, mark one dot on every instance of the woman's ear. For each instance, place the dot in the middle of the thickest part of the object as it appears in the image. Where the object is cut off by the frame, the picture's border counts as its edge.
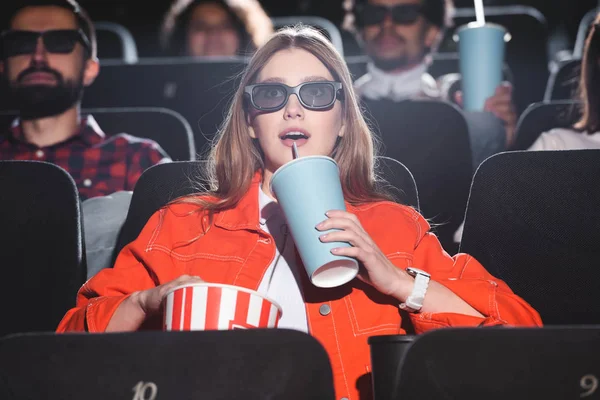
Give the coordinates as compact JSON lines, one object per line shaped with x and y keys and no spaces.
{"x":251,"y":132}
{"x":343,"y":125}
{"x":250,"y":128}
{"x":342,"y":130}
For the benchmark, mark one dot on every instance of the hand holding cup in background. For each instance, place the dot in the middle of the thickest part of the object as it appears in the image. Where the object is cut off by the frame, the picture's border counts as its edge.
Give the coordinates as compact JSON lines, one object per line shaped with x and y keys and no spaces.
{"x":502,"y":106}
{"x":481,"y":49}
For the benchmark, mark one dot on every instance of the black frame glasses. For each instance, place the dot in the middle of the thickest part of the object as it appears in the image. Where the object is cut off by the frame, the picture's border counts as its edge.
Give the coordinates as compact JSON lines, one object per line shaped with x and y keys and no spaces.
{"x":58,"y":41}
{"x":255,"y":95}
{"x":402,"y":14}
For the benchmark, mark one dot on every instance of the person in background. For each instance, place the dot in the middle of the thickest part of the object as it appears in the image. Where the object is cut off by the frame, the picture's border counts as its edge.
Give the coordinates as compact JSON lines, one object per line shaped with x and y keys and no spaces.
{"x":297,"y":89}
{"x":399,"y":37}
{"x":48,"y":57}
{"x":585,"y":134}
{"x":208,"y":28}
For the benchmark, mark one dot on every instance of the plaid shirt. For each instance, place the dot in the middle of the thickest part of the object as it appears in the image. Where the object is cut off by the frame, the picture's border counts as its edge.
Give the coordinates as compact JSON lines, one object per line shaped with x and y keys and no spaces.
{"x":99,"y":165}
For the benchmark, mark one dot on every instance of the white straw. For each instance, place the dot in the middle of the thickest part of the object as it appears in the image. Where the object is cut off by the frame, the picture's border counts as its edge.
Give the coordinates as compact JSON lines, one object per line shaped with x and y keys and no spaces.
{"x":479,"y":14}
{"x":294,"y":150}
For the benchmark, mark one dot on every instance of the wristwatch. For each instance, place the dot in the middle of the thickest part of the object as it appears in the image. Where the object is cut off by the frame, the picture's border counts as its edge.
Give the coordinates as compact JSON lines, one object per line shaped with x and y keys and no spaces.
{"x":414,"y":302}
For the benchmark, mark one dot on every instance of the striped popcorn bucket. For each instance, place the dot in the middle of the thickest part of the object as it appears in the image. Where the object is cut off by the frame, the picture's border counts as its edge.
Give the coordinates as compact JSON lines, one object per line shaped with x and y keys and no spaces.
{"x":209,"y":306}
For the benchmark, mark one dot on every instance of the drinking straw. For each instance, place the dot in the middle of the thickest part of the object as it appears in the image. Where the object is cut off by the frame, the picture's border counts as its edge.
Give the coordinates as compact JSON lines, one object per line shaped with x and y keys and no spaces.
{"x":479,"y":14}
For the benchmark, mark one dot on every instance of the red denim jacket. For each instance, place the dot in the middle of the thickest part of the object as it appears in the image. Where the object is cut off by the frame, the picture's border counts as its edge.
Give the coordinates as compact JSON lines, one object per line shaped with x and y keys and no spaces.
{"x":236,"y":251}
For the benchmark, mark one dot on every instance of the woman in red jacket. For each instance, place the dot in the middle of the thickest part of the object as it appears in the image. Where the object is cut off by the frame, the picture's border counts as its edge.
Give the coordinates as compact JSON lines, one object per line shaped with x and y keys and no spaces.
{"x":235,"y":233}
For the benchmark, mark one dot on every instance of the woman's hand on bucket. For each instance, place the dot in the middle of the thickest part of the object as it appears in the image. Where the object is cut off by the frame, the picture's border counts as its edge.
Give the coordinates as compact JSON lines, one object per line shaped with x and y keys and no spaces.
{"x":134,"y":310}
{"x":150,"y":300}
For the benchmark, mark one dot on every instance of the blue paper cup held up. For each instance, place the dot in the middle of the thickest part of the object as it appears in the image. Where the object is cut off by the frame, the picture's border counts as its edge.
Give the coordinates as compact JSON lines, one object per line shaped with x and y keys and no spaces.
{"x":306,"y":188}
{"x":481,"y":49}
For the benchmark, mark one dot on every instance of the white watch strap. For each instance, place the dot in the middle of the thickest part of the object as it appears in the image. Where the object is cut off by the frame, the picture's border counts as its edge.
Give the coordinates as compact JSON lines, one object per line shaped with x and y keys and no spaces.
{"x":414,"y":302}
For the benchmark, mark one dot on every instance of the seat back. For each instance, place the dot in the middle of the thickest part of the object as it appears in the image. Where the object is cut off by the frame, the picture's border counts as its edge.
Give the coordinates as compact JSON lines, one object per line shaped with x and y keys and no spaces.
{"x":157,"y":186}
{"x":357,"y":65}
{"x":399,"y":181}
{"x":541,"y":117}
{"x":239,"y":364}
{"x":200,"y":90}
{"x":41,"y":245}
{"x":166,"y":127}
{"x":502,"y":363}
{"x":163,"y":183}
{"x":532,"y":220}
{"x":115,"y":43}
{"x":431,"y":139}
{"x":563,"y":82}
{"x":582,"y":32}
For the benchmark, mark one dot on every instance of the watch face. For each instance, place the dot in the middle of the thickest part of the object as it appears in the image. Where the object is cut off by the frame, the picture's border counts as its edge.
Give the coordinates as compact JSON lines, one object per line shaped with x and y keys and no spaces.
{"x":415,"y":271}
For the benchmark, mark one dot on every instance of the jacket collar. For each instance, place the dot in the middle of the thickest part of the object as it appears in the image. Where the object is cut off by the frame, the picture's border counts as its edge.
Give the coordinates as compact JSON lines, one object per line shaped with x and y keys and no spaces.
{"x":245,"y":214}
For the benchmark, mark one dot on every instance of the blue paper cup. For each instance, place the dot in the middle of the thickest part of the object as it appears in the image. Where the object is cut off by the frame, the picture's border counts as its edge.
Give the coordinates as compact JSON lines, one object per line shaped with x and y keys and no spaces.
{"x":306,"y":188}
{"x":481,"y":51}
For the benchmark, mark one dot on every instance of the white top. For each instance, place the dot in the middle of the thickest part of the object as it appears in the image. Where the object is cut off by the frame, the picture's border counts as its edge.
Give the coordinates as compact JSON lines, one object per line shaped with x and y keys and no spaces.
{"x":281,"y":281}
{"x":566,"y":139}
{"x":378,"y":84}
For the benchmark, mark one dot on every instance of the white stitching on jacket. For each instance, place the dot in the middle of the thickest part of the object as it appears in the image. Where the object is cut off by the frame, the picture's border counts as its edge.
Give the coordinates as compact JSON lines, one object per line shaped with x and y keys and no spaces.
{"x":154,"y":236}
{"x":187,"y":257}
{"x":340,"y":354}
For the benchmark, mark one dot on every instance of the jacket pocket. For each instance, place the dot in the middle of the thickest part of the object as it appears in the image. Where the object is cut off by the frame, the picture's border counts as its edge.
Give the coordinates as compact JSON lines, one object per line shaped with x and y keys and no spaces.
{"x":370,"y":311}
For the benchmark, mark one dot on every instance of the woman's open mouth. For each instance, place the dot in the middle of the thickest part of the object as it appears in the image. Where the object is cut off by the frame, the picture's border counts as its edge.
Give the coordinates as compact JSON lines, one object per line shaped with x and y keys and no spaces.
{"x":293,"y":136}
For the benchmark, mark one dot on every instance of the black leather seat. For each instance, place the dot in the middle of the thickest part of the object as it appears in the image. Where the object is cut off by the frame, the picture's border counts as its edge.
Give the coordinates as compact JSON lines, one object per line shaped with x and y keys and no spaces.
{"x":552,"y":363}
{"x":115,"y":43}
{"x":166,"y":127}
{"x":542,"y":117}
{"x":532,"y":220}
{"x":563,"y":82}
{"x":583,"y":30}
{"x":41,"y":245}
{"x":199,"y":90}
{"x":240,"y":364}
{"x":431,"y":139}
{"x":399,"y":181}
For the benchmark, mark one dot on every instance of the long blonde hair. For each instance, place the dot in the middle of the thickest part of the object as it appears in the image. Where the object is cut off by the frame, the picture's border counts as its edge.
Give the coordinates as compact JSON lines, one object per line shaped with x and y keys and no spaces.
{"x":235,"y":158}
{"x":588,"y":82}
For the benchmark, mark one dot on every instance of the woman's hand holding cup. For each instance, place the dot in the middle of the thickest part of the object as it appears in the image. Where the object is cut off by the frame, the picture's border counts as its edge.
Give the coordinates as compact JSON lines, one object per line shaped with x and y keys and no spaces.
{"x":378,"y":270}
